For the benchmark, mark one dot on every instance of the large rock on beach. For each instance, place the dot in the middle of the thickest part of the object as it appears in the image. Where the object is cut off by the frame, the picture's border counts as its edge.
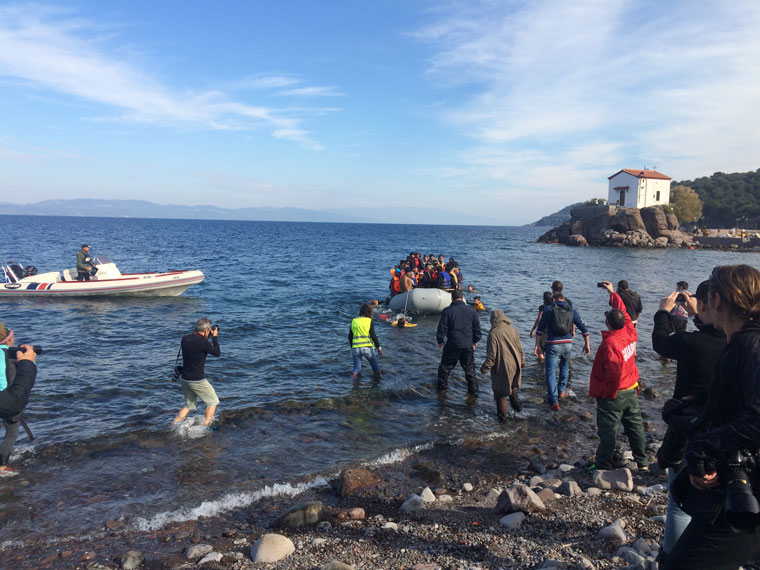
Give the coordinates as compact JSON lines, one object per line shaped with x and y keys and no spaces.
{"x":512,"y":521}
{"x":271,"y":548}
{"x":355,"y":479}
{"x":198,"y":551}
{"x":615,"y":479}
{"x":307,"y":514}
{"x":519,"y":497}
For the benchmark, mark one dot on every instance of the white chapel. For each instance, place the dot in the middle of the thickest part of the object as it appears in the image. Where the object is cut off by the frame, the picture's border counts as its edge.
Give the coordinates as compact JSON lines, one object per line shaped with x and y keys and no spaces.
{"x":631,"y":188}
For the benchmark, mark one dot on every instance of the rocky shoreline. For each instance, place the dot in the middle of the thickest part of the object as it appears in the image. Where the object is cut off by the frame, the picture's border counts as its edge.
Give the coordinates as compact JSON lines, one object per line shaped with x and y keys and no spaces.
{"x":520,"y":499}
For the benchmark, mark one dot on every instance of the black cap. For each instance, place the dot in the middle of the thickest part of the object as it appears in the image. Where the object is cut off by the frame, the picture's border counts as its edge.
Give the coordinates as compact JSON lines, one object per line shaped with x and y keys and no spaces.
{"x":84,"y":245}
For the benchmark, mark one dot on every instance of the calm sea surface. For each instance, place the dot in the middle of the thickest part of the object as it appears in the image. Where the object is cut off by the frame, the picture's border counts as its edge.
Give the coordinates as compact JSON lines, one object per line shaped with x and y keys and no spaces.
{"x":283,"y":295}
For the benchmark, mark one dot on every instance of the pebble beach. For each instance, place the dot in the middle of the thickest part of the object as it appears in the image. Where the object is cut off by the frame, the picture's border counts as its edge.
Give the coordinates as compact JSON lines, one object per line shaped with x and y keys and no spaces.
{"x":453,"y":506}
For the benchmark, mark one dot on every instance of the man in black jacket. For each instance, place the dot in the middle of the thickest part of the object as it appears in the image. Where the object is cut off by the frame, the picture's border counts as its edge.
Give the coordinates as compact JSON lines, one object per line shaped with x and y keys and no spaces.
{"x":16,"y":396}
{"x":460,"y":326}
{"x":696,"y":353}
{"x":631,"y":300}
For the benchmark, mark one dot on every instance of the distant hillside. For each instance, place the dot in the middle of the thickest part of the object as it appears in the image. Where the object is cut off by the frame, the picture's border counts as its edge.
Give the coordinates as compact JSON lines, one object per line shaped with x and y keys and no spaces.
{"x":144,"y":209}
{"x":729,"y":199}
{"x":557,"y":218}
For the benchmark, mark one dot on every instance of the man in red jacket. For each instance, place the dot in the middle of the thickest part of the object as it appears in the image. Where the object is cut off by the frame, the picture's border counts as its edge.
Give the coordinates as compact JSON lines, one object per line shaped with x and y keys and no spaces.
{"x":615,"y":385}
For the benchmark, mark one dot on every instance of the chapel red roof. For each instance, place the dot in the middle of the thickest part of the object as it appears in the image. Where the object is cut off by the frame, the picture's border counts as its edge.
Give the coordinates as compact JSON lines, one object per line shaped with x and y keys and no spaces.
{"x":642,"y":174}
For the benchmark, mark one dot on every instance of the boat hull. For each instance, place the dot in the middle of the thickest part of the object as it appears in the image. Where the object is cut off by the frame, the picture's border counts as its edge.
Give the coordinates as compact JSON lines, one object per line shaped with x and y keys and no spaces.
{"x":421,"y":301}
{"x":168,"y":284}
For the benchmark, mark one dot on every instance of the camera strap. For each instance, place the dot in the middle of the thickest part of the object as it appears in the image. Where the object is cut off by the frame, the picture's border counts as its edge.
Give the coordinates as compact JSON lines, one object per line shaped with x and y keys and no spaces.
{"x":178,"y":353}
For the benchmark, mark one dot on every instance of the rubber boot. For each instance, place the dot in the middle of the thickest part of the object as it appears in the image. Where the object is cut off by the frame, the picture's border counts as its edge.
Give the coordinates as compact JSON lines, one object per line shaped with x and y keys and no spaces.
{"x":502,"y":409}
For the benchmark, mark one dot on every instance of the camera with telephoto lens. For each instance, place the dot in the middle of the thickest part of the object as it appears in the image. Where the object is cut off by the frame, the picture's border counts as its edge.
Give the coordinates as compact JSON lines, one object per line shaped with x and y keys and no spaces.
{"x":177,"y":373}
{"x":736,"y":472}
{"x":14,"y":350}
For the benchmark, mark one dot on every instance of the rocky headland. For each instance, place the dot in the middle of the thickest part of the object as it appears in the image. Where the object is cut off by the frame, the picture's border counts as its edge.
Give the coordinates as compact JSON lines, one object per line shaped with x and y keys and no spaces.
{"x":613,"y":226}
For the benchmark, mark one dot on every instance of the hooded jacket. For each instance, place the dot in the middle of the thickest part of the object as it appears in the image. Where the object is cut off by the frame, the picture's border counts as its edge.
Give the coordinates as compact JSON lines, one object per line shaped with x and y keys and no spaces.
{"x":505,"y":357}
{"x":615,"y":363}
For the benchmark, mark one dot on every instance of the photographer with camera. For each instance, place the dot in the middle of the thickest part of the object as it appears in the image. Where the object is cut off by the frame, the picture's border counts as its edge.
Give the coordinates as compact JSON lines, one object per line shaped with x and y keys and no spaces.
{"x":696,"y":354}
{"x":615,"y":385}
{"x":17,"y":375}
{"x":195,"y":347}
{"x":718,"y":486}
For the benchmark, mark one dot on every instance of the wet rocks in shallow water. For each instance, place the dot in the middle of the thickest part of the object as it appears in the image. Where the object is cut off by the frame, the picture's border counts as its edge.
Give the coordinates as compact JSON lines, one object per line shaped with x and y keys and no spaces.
{"x":616,"y":479}
{"x":353,"y":480}
{"x":198,"y":550}
{"x":537,"y":465}
{"x":132,"y":560}
{"x":300,"y":515}
{"x":519,"y":497}
{"x":271,"y":548}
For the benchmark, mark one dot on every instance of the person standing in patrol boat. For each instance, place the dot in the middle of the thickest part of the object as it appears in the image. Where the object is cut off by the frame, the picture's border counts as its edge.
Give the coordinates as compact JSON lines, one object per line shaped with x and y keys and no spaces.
{"x":364,"y":342}
{"x":84,"y":264}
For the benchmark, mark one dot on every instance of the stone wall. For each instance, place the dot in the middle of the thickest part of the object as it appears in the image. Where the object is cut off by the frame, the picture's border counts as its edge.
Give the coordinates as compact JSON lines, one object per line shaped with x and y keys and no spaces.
{"x":619,"y":227}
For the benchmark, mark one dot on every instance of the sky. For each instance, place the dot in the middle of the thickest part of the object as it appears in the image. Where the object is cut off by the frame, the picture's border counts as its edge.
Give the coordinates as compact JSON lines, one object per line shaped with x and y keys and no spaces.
{"x":508,"y":110}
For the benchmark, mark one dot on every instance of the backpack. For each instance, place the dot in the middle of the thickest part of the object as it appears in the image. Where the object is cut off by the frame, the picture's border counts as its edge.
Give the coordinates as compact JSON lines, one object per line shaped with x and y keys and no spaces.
{"x":563,"y":320}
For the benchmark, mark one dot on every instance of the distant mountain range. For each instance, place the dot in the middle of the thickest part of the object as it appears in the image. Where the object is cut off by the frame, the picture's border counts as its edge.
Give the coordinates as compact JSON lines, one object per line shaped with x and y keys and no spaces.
{"x":557,"y":218}
{"x":144,"y":209}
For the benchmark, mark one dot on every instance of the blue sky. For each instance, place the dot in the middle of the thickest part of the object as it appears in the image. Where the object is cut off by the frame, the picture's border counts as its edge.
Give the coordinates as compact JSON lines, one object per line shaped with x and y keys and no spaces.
{"x":508,"y":110}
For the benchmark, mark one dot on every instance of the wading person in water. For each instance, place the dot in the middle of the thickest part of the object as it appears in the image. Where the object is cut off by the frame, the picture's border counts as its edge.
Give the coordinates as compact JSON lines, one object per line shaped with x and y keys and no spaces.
{"x":195,"y":348}
{"x":364,"y":342}
{"x":460,"y":327}
{"x":505,"y":359}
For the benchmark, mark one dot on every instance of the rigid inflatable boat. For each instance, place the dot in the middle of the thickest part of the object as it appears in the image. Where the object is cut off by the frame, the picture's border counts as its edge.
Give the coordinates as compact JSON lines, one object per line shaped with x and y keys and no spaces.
{"x":421,"y":301}
{"x":107,"y":281}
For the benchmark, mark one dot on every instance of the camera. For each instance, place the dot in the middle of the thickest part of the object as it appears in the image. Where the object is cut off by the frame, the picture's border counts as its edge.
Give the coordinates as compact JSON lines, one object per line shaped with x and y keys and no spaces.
{"x":742,"y":508}
{"x":14,"y":350}
{"x":681,"y":298}
{"x":215,"y":328}
{"x":600,"y":285}
{"x":177,"y":373}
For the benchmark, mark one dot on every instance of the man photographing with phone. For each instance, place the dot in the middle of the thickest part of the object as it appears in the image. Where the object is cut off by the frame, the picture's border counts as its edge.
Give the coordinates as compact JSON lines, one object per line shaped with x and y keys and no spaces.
{"x":195,"y":348}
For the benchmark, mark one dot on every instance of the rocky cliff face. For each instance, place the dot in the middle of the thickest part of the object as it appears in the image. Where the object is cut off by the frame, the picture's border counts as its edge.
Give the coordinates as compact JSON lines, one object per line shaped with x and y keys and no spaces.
{"x":619,"y":227}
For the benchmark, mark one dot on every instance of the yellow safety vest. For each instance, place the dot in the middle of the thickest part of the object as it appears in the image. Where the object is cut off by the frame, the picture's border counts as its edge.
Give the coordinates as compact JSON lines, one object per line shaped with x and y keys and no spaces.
{"x":360,"y":329}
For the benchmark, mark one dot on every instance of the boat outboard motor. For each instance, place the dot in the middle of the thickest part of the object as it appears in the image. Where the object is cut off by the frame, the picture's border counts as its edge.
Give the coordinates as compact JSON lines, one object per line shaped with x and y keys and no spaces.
{"x":30,"y":270}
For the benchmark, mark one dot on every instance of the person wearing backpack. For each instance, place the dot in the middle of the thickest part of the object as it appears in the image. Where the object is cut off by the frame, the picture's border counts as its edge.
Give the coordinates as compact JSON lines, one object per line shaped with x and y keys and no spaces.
{"x":557,"y":323}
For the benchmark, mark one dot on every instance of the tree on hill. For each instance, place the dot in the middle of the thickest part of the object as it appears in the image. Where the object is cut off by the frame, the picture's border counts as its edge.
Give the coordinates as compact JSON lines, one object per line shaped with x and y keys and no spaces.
{"x":729,"y":199}
{"x":687,"y":206}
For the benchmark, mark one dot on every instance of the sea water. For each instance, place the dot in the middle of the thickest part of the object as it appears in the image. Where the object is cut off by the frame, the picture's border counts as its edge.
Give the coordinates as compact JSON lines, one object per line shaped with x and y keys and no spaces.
{"x":290,"y":416}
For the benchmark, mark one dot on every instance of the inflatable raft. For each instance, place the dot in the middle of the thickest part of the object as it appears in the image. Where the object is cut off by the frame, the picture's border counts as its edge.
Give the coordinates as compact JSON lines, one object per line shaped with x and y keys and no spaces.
{"x":421,"y":301}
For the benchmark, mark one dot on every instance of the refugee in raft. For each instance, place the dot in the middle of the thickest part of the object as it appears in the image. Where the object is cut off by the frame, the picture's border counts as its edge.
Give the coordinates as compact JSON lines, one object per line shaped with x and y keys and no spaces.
{"x":505,"y":358}
{"x":364,"y":342}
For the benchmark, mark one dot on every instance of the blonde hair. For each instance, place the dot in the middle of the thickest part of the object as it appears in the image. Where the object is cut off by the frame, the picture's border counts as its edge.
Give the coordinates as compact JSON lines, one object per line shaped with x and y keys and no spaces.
{"x":739,"y":287}
{"x":4,"y":331}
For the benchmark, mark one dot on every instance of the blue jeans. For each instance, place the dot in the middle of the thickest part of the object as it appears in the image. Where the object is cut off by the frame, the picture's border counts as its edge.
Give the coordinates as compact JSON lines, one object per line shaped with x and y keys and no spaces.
{"x":676,"y":521}
{"x":368,"y":353}
{"x":557,"y":354}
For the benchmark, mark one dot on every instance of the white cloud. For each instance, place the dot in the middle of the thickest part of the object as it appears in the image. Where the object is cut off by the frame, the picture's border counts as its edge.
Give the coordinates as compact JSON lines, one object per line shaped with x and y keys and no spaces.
{"x":556,"y":91}
{"x":53,"y":50}
{"x":312,"y":92}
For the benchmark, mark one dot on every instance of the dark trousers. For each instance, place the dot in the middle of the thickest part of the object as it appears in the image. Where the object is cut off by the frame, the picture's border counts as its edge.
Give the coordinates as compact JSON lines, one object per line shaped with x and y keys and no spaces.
{"x":449,"y":358}
{"x":703,"y":546}
{"x":624,"y":408}
{"x":83,"y":275}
